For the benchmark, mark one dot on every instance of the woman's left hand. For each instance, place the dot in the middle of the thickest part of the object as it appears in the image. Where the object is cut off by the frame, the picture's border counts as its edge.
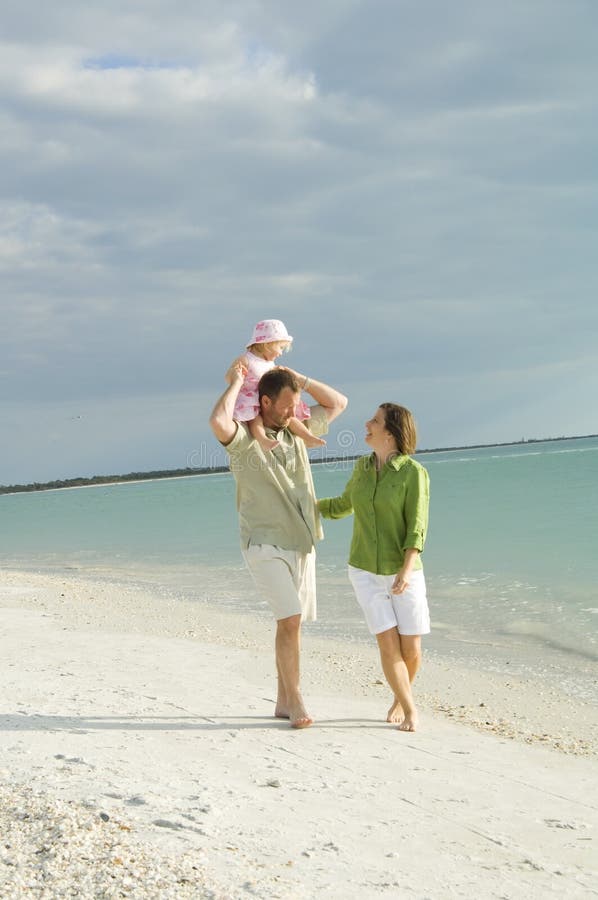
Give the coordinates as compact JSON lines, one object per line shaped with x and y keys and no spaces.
{"x":403,"y":576}
{"x":400,"y":583}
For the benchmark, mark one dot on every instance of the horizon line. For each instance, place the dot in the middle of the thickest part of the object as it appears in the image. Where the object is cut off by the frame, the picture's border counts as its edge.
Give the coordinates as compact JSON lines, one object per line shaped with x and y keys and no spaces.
{"x":190,"y":471}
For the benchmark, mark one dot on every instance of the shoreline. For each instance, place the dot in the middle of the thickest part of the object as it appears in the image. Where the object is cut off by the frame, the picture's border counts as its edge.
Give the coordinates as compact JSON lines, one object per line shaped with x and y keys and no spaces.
{"x":474,"y":693}
{"x":142,"y":759}
{"x":559,"y":673}
{"x":99,"y":484}
{"x":92,"y":481}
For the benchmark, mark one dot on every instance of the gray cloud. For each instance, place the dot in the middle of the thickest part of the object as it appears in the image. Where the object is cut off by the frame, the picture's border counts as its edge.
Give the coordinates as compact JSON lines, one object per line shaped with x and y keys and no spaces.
{"x":412,"y":188}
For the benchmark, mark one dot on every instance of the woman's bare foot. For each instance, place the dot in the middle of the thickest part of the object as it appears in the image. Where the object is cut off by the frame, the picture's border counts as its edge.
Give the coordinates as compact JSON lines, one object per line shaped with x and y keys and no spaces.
{"x":281,"y":712}
{"x":409,"y":723}
{"x":395,"y":713}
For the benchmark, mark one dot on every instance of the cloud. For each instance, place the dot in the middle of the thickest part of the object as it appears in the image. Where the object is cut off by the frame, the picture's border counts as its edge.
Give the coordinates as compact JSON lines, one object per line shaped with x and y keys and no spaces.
{"x":413,"y":189}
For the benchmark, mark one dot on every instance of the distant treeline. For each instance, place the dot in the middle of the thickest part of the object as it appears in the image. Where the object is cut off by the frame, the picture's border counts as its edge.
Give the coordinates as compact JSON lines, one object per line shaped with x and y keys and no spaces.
{"x":107,"y":479}
{"x":212,"y":470}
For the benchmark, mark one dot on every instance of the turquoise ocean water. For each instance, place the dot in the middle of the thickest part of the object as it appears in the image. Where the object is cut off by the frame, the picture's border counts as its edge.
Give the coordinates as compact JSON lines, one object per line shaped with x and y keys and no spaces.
{"x":511,"y":559}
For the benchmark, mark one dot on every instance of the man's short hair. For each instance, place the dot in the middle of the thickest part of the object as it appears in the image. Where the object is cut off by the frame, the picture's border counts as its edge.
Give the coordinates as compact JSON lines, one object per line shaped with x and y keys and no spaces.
{"x":274,"y":381}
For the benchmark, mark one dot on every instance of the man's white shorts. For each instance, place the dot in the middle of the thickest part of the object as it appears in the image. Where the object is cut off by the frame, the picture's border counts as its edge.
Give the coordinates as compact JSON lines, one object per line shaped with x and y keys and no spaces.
{"x":408,"y":612}
{"x":285,"y":578}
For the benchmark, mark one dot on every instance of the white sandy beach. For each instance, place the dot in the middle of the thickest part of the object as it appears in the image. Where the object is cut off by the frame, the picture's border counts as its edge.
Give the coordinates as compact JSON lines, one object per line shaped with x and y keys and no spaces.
{"x":139,"y":758}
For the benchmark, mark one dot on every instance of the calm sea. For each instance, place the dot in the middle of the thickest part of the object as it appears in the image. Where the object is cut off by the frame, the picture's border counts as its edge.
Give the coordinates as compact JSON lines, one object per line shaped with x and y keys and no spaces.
{"x":511,"y":559}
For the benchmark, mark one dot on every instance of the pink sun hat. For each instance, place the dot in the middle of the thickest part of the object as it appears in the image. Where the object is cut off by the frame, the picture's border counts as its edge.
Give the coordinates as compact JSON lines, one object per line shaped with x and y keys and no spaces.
{"x":269,"y":330}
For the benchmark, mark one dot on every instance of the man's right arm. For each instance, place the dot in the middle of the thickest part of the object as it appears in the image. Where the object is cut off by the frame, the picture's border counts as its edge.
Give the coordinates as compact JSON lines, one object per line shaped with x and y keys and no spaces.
{"x":221,"y":421}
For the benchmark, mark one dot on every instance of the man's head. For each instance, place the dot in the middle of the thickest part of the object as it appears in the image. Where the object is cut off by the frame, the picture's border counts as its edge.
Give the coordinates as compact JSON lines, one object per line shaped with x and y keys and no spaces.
{"x":279,"y":394}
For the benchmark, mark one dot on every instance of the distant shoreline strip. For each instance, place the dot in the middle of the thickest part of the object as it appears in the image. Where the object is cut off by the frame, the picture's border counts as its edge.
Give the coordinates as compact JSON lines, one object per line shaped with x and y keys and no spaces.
{"x":164,"y":474}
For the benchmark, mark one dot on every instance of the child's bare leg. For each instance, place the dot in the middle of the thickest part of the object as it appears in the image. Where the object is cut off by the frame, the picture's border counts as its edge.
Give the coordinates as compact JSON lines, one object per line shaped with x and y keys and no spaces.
{"x":258,"y":432}
{"x":299,"y":429}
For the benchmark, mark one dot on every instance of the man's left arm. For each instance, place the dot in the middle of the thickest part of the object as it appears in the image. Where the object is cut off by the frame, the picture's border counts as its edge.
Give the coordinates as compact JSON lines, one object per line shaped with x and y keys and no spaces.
{"x":331,"y":401}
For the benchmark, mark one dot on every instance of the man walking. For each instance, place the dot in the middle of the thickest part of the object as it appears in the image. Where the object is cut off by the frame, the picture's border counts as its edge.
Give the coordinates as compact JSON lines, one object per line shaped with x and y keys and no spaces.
{"x":278,"y":516}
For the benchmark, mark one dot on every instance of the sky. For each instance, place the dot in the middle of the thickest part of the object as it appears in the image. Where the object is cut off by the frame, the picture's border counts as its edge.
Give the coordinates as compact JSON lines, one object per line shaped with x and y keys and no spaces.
{"x":410,"y":185}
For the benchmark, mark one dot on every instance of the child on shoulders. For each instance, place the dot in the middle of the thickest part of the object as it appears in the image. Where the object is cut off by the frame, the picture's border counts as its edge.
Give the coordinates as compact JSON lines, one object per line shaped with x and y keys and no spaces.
{"x":270,"y":340}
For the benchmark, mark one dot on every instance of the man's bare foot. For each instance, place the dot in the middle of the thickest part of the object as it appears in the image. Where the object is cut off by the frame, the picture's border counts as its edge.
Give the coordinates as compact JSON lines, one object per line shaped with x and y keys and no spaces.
{"x":395,"y":713}
{"x":303,"y":722}
{"x":299,"y":717}
{"x":409,"y":723}
{"x":313,"y":441}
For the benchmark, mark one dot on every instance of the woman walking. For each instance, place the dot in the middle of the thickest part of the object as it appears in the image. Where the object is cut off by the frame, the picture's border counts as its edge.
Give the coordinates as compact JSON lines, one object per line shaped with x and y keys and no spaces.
{"x":388,"y":494}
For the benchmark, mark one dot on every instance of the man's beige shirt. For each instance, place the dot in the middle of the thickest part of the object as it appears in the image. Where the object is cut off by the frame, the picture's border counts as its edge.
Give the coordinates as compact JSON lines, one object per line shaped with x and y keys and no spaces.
{"x":276,"y":499}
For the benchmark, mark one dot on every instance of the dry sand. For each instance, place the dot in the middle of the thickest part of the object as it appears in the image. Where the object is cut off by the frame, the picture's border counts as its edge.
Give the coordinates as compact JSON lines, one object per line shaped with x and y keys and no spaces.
{"x":139,"y":758}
